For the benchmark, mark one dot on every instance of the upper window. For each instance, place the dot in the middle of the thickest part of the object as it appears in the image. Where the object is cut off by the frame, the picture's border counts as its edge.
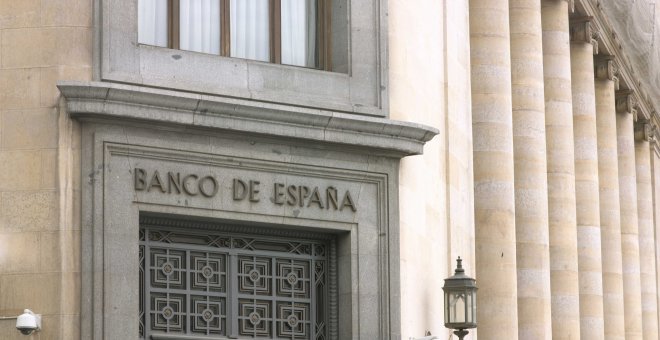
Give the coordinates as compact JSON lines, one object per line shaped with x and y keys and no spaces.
{"x":251,"y":51}
{"x":291,"y":32}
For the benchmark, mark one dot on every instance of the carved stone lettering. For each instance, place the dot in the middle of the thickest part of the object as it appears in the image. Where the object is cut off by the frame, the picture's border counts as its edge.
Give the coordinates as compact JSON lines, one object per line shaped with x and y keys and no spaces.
{"x":204,"y":185}
{"x":331,"y":197}
{"x":292,"y":192}
{"x":302,"y":195}
{"x":348,"y":202}
{"x":239,"y":189}
{"x":315,"y":198}
{"x":278,"y":194}
{"x":254,"y":191}
{"x":186,"y":186}
{"x":140,"y":179}
{"x":176,"y":183}
{"x":156,"y":182}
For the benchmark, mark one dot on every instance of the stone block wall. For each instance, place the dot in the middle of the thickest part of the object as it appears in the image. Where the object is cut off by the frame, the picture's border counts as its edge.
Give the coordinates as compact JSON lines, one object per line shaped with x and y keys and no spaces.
{"x":41,"y":42}
{"x":429,"y":76}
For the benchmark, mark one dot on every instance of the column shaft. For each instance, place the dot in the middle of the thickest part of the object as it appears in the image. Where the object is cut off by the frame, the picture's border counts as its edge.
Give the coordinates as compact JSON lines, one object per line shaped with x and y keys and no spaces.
{"x":586,"y":182}
{"x":629,"y":228}
{"x":531,"y":186}
{"x":655,"y":180}
{"x":494,"y":202}
{"x":646,"y":232}
{"x":610,"y":224}
{"x":561,"y":170}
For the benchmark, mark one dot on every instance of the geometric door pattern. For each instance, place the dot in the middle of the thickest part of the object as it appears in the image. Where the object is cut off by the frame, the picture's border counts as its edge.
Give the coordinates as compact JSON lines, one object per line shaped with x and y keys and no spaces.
{"x":217,"y":285}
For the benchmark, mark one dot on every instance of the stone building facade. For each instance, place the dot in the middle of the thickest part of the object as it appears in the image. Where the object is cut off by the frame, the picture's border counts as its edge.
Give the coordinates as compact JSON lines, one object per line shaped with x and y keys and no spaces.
{"x":148,"y":190}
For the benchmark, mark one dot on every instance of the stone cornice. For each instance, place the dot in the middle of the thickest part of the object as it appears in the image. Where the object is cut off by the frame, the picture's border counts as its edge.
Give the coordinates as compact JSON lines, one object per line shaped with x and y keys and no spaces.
{"x":609,"y":45}
{"x":128,"y":104}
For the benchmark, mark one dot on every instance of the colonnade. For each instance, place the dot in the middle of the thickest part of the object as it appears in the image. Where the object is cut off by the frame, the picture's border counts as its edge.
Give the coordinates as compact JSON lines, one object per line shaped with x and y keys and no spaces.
{"x":563,"y":182}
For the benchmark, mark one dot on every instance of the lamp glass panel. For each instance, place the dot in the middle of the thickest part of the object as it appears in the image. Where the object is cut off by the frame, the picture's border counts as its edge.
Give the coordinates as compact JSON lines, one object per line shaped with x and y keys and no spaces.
{"x":447,"y":307}
{"x":474,"y":306}
{"x":457,"y":307}
{"x":468,"y":309}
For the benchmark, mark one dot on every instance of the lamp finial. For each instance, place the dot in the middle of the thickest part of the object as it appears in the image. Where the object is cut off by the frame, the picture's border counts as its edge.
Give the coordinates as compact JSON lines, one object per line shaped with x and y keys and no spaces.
{"x":459,"y":266}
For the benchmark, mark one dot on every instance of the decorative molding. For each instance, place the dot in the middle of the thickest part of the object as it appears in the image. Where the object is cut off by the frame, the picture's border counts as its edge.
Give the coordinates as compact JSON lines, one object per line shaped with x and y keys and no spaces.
{"x":128,"y":104}
{"x":609,"y":44}
{"x":606,"y":69}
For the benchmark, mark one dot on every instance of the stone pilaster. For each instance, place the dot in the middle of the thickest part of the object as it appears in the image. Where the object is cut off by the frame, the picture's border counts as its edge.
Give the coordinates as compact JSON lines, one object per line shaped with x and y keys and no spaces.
{"x":561,"y":170}
{"x":628,"y":200}
{"x":643,"y":132}
{"x":531,"y":183}
{"x":610,"y":214}
{"x":494,"y":203}
{"x":583,"y":46}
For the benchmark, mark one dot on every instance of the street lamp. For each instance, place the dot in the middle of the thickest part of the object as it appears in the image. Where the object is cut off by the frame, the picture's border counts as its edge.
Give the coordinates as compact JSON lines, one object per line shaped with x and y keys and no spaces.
{"x":460,"y":301}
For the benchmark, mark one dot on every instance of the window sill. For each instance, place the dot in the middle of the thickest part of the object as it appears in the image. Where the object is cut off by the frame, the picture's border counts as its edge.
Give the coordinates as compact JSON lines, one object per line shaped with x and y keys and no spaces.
{"x":104,"y":100}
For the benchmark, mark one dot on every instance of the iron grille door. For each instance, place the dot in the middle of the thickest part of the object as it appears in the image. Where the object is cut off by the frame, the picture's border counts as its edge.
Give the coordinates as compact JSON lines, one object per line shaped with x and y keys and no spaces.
{"x":219,"y":285}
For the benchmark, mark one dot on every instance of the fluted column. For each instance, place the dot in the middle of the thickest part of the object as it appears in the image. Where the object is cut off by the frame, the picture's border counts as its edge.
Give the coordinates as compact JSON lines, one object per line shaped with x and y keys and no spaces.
{"x":586,"y":180}
{"x":531,"y":182}
{"x":494,"y":202}
{"x":628,"y":202}
{"x":610,"y":214}
{"x":561,"y":170}
{"x":646,"y":230}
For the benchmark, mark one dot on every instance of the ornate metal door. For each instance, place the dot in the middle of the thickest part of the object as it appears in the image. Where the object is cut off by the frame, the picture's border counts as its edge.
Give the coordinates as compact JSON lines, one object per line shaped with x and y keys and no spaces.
{"x":218,"y":285}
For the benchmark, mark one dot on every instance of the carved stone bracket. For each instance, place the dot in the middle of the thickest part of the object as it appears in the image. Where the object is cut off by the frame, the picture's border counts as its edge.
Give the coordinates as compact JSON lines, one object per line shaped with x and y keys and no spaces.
{"x":606,"y":68}
{"x":644,"y":131}
{"x":654,"y":139}
{"x":595,"y":36}
{"x":626,"y":102}
{"x":583,"y":30}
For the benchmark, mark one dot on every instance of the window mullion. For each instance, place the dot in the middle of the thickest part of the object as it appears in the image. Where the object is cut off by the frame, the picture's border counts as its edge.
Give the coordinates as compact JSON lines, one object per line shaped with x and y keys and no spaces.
{"x":173,"y":13}
{"x":275,"y":33}
{"x":225,"y":28}
{"x":324,"y":34}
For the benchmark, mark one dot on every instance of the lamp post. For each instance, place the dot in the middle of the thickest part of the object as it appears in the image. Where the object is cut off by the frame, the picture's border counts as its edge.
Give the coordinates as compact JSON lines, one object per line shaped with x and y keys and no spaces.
{"x":460,"y":301}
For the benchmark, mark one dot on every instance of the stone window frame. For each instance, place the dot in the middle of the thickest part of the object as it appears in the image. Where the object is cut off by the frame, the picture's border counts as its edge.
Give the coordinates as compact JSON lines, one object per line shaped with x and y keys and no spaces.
{"x":363,"y":90}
